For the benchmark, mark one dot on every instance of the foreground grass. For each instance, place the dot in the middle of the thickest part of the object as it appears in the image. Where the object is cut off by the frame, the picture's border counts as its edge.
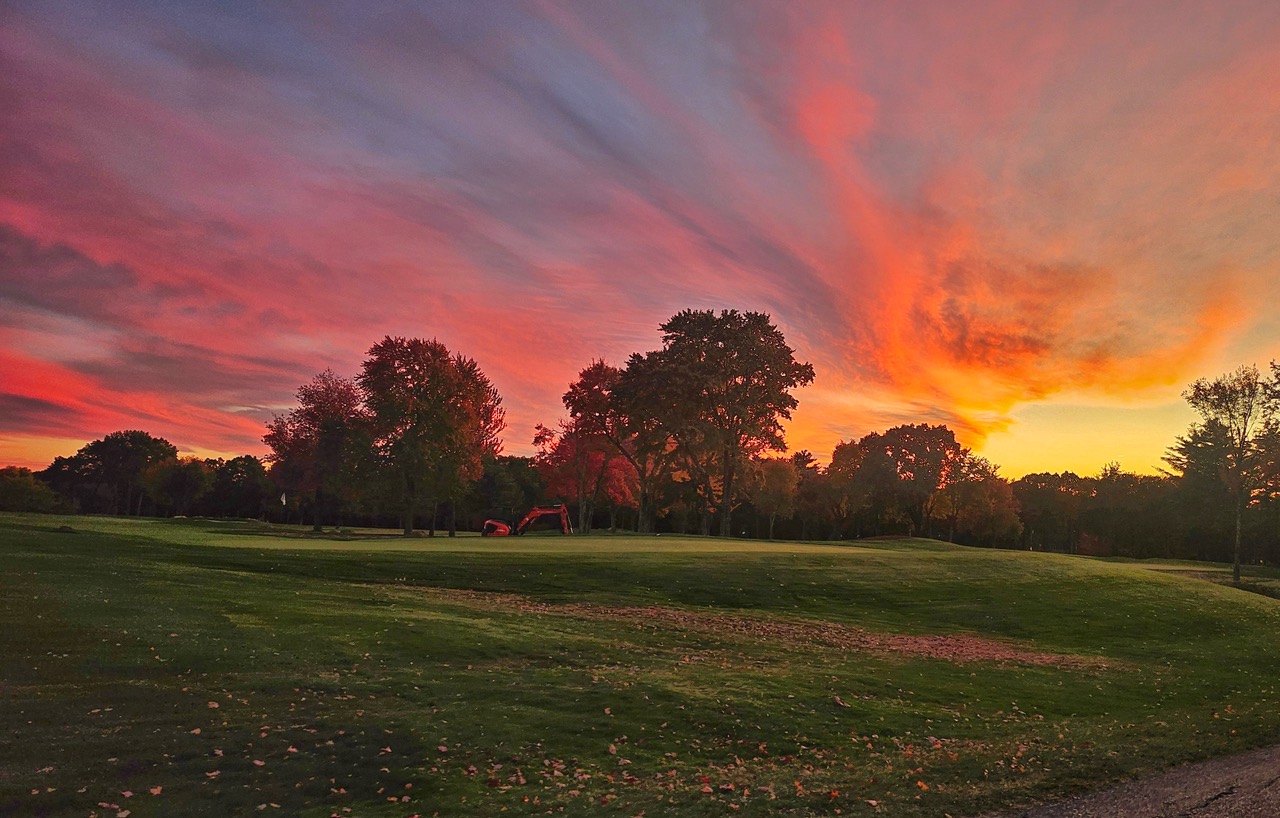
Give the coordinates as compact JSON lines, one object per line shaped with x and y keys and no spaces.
{"x":191,"y":668}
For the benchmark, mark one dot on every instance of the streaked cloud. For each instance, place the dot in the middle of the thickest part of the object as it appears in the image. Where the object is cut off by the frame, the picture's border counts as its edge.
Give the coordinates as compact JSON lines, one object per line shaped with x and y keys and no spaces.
{"x":954,"y":212}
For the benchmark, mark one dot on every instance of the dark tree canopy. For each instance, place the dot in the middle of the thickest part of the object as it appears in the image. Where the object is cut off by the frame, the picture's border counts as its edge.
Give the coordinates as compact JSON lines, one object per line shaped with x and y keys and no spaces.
{"x":723,"y":385}
{"x":311,"y":446}
{"x":1236,"y":410}
{"x":105,"y":476}
{"x":924,"y":459}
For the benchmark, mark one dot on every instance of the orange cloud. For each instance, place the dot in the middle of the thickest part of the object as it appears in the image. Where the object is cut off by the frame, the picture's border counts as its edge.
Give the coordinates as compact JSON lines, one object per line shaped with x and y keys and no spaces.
{"x":953,"y":212}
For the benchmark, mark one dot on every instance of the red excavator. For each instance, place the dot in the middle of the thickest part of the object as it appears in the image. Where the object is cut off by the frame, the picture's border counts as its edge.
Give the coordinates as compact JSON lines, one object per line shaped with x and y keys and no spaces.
{"x":497,"y":528}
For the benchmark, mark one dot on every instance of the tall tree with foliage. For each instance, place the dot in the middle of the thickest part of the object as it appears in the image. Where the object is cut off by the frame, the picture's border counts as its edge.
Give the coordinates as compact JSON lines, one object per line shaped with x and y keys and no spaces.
{"x":310,"y":445}
{"x":846,"y":486}
{"x":728,"y":380}
{"x":624,"y":407}
{"x":434,"y":417}
{"x":1242,"y":405}
{"x":1049,"y":505}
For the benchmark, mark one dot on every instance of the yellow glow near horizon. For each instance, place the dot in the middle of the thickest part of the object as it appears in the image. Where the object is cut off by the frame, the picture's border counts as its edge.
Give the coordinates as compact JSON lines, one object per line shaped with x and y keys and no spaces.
{"x":1083,"y":439}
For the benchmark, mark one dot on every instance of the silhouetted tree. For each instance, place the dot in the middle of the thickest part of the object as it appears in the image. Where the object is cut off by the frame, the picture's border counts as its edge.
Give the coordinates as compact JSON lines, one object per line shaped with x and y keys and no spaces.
{"x":772,"y":487}
{"x":1241,"y":403}
{"x":1049,"y":505}
{"x":312,"y":445}
{"x":725,"y":388}
{"x":625,"y":408}
{"x":240,"y":488}
{"x":924,"y":458}
{"x":106,"y":475}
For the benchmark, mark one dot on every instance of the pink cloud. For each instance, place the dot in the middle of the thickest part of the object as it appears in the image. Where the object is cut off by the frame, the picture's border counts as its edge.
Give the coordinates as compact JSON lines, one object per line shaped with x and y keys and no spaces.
{"x":950,"y":211}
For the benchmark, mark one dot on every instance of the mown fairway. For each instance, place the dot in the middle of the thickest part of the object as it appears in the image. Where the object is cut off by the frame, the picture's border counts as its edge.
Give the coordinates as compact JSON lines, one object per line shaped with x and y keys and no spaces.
{"x":189,"y":668}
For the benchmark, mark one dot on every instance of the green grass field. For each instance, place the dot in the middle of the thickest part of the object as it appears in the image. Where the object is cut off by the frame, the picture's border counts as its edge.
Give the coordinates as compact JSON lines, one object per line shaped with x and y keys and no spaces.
{"x":197,"y":667}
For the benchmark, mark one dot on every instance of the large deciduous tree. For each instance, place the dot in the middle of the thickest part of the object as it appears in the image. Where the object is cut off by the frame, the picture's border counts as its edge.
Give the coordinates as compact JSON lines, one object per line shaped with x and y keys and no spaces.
{"x":724,"y":385}
{"x":311,"y":445}
{"x":21,"y":491}
{"x":240,"y":487}
{"x":434,"y":417}
{"x":1235,"y":408}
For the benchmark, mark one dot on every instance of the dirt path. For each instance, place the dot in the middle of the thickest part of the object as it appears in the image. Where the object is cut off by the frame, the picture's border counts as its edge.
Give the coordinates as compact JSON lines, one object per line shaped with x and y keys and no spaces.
{"x":1242,"y":786}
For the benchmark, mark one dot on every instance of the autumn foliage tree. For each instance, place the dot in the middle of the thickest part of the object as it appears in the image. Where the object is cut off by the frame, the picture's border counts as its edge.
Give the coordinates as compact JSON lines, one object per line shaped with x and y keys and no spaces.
{"x":105,"y":475}
{"x":579,"y":464}
{"x":622,"y":408}
{"x":433,"y":416}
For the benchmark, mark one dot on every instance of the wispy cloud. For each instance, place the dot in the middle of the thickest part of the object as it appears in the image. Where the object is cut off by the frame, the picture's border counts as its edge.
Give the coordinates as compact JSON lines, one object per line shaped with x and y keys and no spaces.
{"x":950,"y":211}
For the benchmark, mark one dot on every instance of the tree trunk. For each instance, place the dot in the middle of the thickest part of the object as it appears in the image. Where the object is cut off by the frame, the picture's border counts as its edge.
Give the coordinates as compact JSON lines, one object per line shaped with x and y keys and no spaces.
{"x":453,"y":518}
{"x":772,"y":517}
{"x":1235,"y":567}
{"x":726,"y":498}
{"x":644,"y":518}
{"x":407,"y":518}
{"x":315,"y":512}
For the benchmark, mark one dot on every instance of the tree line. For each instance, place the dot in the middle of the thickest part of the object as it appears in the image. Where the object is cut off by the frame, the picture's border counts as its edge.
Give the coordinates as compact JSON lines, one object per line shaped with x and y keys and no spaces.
{"x":687,"y":438}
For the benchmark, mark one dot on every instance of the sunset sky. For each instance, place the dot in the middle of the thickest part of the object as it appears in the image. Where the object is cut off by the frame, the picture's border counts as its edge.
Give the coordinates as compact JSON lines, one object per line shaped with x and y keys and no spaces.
{"x":1035,"y":222}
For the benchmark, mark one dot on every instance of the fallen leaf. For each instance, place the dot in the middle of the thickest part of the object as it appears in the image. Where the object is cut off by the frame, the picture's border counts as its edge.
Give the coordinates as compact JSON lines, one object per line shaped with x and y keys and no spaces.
{"x":156,"y":790}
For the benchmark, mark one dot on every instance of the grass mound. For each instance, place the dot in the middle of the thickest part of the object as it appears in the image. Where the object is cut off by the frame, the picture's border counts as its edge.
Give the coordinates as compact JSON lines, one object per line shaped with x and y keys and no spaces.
{"x":198,"y":667}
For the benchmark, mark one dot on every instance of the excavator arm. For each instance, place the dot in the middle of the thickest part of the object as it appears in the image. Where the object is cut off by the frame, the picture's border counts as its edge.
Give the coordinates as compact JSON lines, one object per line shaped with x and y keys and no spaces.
{"x":498,"y":528}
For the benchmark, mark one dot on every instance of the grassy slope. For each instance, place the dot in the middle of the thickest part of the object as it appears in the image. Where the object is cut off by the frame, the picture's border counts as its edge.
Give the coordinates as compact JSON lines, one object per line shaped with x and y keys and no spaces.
{"x":340,"y":668}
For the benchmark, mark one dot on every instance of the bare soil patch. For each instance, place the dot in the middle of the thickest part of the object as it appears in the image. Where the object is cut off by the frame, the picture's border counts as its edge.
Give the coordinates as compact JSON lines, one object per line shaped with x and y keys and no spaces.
{"x":957,"y":648}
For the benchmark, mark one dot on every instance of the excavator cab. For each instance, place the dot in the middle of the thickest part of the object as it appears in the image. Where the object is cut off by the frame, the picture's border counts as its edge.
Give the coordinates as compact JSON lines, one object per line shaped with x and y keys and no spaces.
{"x":498,"y":528}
